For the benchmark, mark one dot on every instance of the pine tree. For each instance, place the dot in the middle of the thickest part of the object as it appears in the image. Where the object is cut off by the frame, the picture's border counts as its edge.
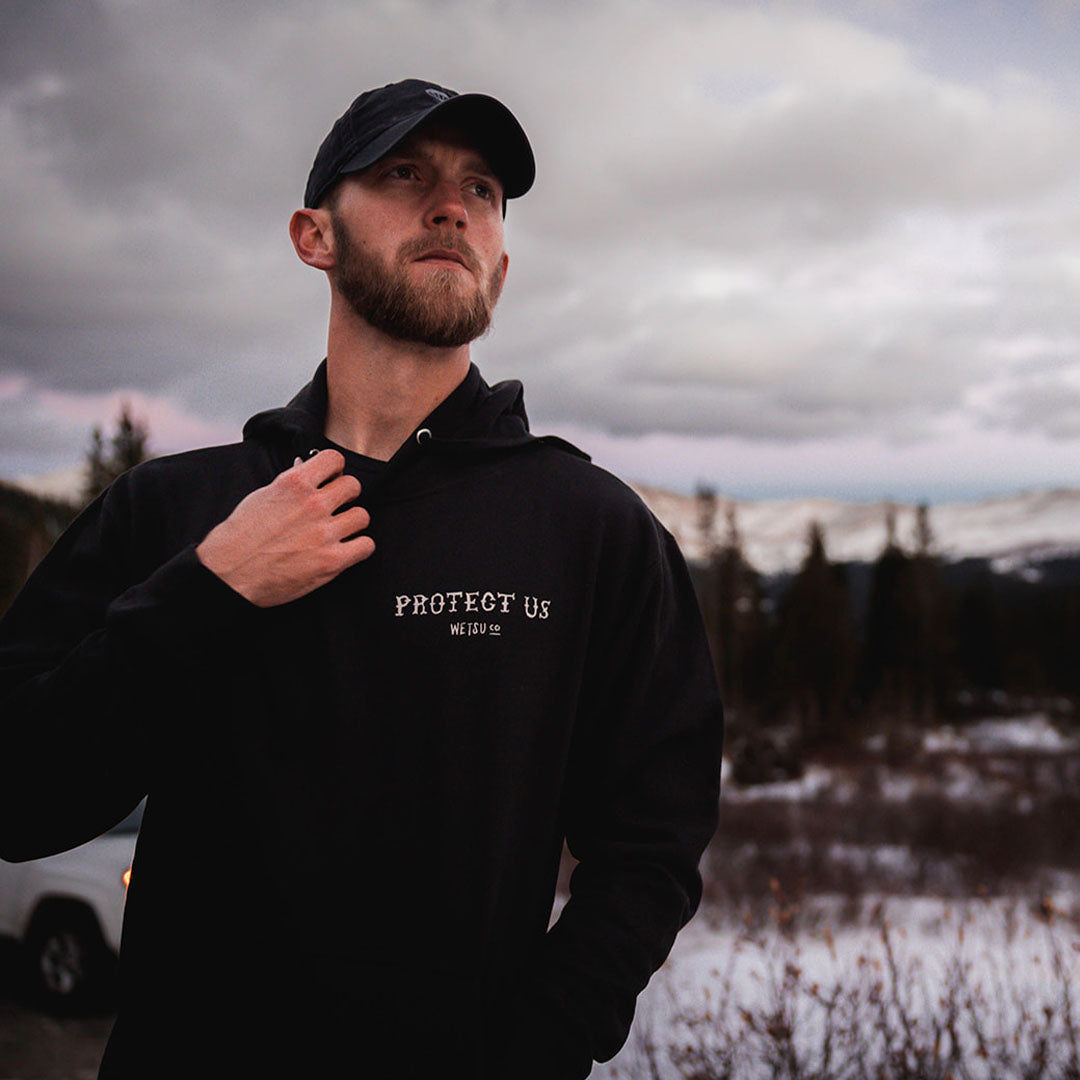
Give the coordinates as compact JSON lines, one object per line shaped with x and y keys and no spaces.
{"x":705,"y":497}
{"x":906,"y":653}
{"x":98,"y":472}
{"x":884,"y":678}
{"x":732,"y":604}
{"x":931,"y":616}
{"x":982,"y":635}
{"x":129,"y":442}
{"x":924,"y":534}
{"x":815,"y":654}
{"x":743,"y":625}
{"x":128,"y":446}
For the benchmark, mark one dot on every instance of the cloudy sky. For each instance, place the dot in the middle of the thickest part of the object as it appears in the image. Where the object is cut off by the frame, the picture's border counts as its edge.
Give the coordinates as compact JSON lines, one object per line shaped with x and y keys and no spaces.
{"x":782,"y":248}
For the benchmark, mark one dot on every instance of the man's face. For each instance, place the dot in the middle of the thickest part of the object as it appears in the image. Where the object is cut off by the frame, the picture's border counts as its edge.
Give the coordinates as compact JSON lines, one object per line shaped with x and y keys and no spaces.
{"x":419,"y":242}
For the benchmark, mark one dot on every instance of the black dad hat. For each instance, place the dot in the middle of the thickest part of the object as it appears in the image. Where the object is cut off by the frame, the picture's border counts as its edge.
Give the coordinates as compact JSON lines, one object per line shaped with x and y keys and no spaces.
{"x":379,"y":119}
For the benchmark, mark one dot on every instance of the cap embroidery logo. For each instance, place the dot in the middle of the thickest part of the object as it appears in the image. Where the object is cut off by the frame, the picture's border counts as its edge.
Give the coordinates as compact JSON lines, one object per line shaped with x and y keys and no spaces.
{"x":438,"y":95}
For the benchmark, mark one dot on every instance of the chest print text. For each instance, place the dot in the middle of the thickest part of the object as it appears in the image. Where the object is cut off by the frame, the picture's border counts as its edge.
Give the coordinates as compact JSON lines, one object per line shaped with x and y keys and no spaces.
{"x":476,"y":602}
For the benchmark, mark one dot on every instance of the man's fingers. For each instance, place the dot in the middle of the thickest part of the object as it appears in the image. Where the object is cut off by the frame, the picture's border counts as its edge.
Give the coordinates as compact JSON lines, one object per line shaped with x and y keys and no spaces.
{"x":351,"y":521}
{"x":357,"y":549}
{"x":339,"y":491}
{"x":322,"y":466}
{"x":351,"y":549}
{"x":324,"y":472}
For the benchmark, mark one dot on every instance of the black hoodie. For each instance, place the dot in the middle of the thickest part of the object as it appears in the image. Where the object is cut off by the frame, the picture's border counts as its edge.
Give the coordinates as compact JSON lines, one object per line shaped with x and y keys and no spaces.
{"x":357,"y":801}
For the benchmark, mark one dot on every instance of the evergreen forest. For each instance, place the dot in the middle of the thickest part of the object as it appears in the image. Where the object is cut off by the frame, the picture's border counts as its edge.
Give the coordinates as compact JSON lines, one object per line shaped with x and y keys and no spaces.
{"x":835,"y":652}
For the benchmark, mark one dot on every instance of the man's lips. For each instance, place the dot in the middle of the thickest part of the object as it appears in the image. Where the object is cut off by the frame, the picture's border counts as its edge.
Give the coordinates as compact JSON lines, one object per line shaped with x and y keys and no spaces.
{"x":442,"y":255}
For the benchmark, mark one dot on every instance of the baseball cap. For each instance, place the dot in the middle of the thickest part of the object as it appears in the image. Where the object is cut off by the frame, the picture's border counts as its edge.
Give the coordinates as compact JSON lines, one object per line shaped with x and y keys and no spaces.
{"x":379,"y":119}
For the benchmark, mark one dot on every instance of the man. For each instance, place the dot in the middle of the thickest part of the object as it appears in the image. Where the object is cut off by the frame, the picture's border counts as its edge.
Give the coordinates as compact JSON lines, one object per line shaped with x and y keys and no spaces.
{"x":371,"y":667}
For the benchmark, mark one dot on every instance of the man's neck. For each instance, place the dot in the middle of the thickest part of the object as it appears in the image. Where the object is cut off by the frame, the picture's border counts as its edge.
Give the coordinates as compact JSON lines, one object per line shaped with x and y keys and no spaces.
{"x":379,"y":388}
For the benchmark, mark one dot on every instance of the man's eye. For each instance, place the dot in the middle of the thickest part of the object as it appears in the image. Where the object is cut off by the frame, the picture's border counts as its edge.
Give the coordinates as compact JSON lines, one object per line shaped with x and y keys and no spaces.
{"x":484,"y":191}
{"x":402,"y":172}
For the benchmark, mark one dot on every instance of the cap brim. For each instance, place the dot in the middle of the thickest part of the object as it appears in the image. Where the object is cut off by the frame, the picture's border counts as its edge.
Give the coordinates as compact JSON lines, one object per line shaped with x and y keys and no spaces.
{"x":499,"y":137}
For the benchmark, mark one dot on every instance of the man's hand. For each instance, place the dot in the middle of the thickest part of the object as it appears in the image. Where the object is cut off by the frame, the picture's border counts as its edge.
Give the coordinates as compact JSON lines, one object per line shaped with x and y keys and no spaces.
{"x":285,"y":540}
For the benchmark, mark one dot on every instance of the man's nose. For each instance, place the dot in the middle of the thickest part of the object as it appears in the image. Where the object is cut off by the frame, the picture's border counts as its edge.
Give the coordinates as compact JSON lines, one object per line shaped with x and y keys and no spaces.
{"x":447,"y":207}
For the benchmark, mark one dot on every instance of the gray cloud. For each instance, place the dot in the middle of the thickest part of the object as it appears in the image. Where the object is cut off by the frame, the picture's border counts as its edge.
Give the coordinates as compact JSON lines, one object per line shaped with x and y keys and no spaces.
{"x":781,"y":226}
{"x":38,"y":36}
{"x":1046,"y":402}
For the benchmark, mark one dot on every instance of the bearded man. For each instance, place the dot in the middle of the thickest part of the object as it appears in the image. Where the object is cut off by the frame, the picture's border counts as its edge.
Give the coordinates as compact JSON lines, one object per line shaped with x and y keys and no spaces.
{"x":371,"y":667}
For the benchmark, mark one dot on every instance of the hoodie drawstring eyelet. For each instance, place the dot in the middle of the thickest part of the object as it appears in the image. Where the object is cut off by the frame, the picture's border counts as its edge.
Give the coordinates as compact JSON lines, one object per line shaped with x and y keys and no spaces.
{"x":423,"y":435}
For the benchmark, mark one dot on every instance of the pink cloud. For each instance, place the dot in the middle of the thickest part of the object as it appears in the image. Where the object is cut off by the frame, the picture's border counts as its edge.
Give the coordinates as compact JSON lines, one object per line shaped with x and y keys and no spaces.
{"x":171,"y":427}
{"x":12,"y":386}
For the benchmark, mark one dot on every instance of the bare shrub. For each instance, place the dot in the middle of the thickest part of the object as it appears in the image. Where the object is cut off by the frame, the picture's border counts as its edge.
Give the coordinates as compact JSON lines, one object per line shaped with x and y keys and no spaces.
{"x":801,"y":1007}
{"x":951,"y":823}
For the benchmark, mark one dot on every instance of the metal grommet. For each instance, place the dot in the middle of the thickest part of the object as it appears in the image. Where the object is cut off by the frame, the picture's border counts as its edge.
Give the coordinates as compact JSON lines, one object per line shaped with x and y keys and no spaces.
{"x":313,"y":451}
{"x":423,"y":435}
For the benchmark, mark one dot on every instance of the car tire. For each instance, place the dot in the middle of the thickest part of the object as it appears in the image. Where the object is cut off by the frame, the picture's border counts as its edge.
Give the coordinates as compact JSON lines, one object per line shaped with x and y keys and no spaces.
{"x":70,"y":967}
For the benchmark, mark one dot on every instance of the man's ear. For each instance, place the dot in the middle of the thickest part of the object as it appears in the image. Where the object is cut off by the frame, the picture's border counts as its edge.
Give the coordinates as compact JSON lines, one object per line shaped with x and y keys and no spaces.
{"x":312,"y":235}
{"x":505,"y":266}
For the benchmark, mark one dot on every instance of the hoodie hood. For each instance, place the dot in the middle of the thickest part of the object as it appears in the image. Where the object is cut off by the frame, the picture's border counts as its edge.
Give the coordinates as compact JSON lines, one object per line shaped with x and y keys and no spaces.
{"x":474,"y":419}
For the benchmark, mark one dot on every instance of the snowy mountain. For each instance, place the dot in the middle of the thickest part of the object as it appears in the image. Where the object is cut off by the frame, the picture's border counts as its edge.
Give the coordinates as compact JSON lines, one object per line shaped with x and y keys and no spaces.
{"x":1013,"y":532}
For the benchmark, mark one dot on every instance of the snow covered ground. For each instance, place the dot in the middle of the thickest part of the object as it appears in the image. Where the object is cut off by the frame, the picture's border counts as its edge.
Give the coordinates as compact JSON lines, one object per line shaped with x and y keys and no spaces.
{"x":978,"y":986}
{"x":992,"y":977}
{"x":961,"y":772}
{"x":1031,"y":732}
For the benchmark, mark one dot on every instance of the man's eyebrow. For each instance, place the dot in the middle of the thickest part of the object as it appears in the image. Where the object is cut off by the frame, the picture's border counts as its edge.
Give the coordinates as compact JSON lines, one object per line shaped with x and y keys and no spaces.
{"x":480,"y":165}
{"x":475,"y":162}
{"x":478,"y":162}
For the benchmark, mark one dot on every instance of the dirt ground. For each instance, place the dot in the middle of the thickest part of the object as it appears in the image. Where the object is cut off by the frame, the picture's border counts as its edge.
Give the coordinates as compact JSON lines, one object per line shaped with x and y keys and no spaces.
{"x":36,"y":1046}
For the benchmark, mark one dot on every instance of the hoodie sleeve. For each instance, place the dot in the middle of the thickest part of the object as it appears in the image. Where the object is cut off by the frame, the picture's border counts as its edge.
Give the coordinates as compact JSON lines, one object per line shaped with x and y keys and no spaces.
{"x":643,"y":806}
{"x":94,"y":670}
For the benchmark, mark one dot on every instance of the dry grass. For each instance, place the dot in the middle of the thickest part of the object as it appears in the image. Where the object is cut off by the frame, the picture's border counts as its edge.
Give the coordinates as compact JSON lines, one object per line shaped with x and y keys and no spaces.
{"x":806,"y":1006}
{"x":947,"y":824}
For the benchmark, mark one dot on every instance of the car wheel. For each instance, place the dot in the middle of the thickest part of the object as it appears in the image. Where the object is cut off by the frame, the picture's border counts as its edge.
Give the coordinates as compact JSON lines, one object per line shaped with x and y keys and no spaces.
{"x":70,"y":965}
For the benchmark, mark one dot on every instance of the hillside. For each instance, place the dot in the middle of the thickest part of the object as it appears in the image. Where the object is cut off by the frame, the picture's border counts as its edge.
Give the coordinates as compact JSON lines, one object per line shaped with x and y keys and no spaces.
{"x":1013,"y":532}
{"x":29,"y":524}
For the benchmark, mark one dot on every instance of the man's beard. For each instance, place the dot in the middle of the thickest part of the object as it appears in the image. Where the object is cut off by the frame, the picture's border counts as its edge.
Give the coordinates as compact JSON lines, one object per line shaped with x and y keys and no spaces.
{"x":435,"y":311}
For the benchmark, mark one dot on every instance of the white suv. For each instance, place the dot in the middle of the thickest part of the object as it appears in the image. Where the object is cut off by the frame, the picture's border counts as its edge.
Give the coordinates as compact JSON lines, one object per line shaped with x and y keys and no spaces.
{"x":67,"y":911}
